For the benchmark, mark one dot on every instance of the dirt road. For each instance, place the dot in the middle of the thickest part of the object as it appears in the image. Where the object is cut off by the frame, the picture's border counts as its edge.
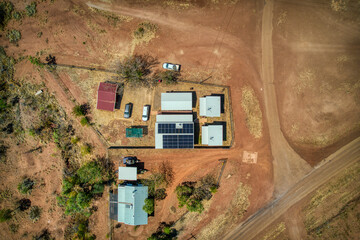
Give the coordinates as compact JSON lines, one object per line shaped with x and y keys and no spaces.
{"x":289,"y":167}
{"x":334,"y":164}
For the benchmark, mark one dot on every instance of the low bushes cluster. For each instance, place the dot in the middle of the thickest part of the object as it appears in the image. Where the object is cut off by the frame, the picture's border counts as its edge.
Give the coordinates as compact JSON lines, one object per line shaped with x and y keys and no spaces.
{"x":5,"y":215}
{"x":31,"y":9}
{"x":26,"y":186}
{"x":14,"y":36}
{"x":149,"y":206}
{"x":36,"y":61}
{"x":35,"y":213}
{"x":191,"y":194}
{"x":164,"y":232}
{"x":6,"y":9}
{"x":80,"y":188}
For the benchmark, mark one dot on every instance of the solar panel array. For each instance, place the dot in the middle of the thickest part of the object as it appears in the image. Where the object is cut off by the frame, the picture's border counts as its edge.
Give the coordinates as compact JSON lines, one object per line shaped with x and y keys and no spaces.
{"x":171,"y":128}
{"x":178,"y":141}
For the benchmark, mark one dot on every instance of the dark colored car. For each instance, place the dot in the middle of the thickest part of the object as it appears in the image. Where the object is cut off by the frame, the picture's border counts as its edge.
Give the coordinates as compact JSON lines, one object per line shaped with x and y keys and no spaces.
{"x":128,"y":110}
{"x":130,"y":160}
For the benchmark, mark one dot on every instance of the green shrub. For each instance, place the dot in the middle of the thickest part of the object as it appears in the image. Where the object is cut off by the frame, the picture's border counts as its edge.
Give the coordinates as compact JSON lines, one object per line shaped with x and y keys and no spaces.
{"x":5,"y":215}
{"x":3,"y":150}
{"x":17,"y":15}
{"x":85,"y":149}
{"x":26,"y":186}
{"x":160,"y":194}
{"x":36,"y":61}
{"x":14,"y":36}
{"x":149,"y":206}
{"x":79,"y":110}
{"x":84,"y":121}
{"x":167,"y":230}
{"x":213,"y":189}
{"x":14,"y":228}
{"x":3,"y":105}
{"x":35,"y":213}
{"x":32,"y":132}
{"x":97,"y":189}
{"x":91,"y":173}
{"x":6,"y":8}
{"x":56,"y":136}
{"x":31,"y":9}
{"x":168,"y":77}
{"x":194,"y":205}
{"x":75,"y":140}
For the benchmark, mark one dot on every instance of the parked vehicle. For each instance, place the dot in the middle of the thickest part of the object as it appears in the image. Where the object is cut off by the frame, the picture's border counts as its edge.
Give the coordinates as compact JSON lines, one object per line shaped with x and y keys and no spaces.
{"x":128,"y":110}
{"x":173,"y":67}
{"x":145,"y":115}
{"x":130,"y":160}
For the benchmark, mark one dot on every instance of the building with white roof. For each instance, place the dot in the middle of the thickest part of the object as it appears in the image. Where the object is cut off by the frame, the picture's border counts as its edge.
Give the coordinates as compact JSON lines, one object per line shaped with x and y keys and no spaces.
{"x":128,"y":173}
{"x":176,"y":101}
{"x":212,"y":135}
{"x":210,"y":106}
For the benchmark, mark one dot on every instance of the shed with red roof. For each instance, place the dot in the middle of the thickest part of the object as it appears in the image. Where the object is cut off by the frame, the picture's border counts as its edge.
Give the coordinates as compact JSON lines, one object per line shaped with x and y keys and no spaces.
{"x":106,"y":96}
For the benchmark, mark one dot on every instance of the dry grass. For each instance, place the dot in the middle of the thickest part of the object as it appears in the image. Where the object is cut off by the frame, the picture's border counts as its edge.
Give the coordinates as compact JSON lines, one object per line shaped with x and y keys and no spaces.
{"x":251,"y":106}
{"x":144,"y":33}
{"x":275,"y":233}
{"x":176,"y":5}
{"x":329,"y":199}
{"x":235,"y":212}
{"x":282,"y":18}
{"x":306,"y":79}
{"x":338,"y":5}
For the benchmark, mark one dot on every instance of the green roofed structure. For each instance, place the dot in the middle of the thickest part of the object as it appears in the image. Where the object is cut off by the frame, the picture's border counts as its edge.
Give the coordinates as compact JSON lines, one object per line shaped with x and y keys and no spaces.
{"x":134,"y":132}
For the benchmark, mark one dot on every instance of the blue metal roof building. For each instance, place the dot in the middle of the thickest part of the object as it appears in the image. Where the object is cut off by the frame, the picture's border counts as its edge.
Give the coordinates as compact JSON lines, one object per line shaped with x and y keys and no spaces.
{"x":128,"y":207}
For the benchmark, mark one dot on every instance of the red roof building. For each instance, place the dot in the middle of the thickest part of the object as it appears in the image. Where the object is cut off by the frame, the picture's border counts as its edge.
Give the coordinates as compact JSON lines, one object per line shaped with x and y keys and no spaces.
{"x":106,"y":97}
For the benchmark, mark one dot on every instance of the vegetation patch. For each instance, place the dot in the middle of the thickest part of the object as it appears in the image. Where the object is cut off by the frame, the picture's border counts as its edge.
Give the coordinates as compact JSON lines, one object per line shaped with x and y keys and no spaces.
{"x":165,"y":232}
{"x":235,"y":212}
{"x":35,"y":213}
{"x":81,"y":187}
{"x":31,"y":9}
{"x":14,"y":36}
{"x":6,"y":9}
{"x":136,"y":70}
{"x":191,"y":194}
{"x":251,"y":106}
{"x":168,"y":77}
{"x":26,"y":186}
{"x":5,"y":215}
{"x":113,"y":19}
{"x":144,"y":33}
{"x":334,"y":206}
{"x":275,"y":233}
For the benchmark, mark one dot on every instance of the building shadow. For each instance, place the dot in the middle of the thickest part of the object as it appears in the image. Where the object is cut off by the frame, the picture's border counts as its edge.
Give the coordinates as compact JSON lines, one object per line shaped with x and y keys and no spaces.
{"x":196,"y":128}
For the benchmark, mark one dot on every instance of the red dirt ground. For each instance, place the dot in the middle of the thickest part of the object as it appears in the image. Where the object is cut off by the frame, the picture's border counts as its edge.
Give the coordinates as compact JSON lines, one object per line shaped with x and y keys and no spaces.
{"x":319,"y":111}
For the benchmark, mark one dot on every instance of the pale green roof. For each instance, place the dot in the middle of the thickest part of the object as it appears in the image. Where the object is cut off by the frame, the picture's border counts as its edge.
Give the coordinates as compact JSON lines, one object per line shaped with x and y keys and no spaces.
{"x":128,"y":173}
{"x":130,"y":205}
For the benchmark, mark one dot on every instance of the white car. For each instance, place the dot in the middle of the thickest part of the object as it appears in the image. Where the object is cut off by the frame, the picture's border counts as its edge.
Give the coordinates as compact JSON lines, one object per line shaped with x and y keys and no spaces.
{"x":170,"y":66}
{"x":145,"y":115}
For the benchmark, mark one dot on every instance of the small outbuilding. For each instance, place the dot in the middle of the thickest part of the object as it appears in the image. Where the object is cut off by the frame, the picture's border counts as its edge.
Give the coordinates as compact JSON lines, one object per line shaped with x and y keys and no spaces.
{"x":106,"y":97}
{"x":128,"y":173}
{"x":176,"y":101}
{"x":210,"y":106}
{"x":212,"y":135}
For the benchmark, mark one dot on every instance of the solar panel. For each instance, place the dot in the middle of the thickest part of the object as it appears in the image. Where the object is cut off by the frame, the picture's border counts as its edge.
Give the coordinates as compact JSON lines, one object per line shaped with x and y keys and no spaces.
{"x":171,"y":128}
{"x":178,"y":141}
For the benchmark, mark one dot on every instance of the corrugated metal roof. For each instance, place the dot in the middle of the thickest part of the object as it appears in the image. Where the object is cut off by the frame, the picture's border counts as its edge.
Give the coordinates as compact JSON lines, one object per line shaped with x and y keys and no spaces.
{"x":212,"y":135}
{"x":106,"y":97}
{"x":174,"y":118}
{"x":176,"y":101}
{"x":131,"y":202}
{"x":210,"y":106}
{"x":128,"y":173}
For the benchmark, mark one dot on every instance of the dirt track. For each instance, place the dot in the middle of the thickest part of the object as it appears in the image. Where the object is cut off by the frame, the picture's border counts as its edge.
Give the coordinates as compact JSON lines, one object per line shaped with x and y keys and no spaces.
{"x":335,"y":163}
{"x":288,"y":165}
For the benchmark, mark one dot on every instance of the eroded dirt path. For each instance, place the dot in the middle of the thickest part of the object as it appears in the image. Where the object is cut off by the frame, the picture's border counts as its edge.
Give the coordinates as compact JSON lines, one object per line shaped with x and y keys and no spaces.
{"x":334,"y":164}
{"x":289,"y":167}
